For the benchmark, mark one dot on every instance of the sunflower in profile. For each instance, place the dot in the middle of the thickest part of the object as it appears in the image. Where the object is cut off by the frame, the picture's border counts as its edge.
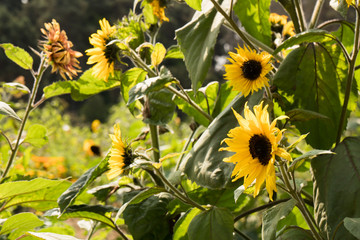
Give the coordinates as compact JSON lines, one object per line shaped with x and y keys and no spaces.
{"x":255,"y":144}
{"x":58,"y":50}
{"x":158,"y":7}
{"x":102,"y":54}
{"x":248,"y":69}
{"x":120,"y":154}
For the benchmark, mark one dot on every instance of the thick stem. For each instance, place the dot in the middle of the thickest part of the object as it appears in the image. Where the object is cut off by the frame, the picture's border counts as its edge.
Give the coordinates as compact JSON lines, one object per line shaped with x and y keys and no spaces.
{"x":37,"y":78}
{"x":155,"y":142}
{"x":350,"y":78}
{"x":300,"y":14}
{"x":316,"y":13}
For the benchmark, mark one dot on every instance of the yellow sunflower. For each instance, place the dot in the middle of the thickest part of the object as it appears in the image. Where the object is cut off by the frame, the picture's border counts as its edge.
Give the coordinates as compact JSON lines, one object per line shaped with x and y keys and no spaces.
{"x":158,"y":7}
{"x":276,"y":19}
{"x":255,"y":143}
{"x":103,"y":55}
{"x":120,"y":154}
{"x":248,"y":69}
{"x":288,"y":30}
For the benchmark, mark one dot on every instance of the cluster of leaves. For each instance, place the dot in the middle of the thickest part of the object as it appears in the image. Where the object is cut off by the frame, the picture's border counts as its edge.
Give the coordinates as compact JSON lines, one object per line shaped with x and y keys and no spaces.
{"x":310,"y":85}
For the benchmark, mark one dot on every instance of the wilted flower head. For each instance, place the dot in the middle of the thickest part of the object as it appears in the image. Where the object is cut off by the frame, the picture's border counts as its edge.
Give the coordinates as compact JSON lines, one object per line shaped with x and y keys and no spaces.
{"x":58,"y":50}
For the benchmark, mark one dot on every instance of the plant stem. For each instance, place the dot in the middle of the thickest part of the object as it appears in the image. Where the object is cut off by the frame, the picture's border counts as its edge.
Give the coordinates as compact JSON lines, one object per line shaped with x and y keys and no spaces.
{"x":350,"y":78}
{"x":257,"y":209}
{"x":243,"y":235}
{"x":315,"y":16}
{"x":300,"y":14}
{"x":299,"y":203}
{"x":233,"y":24}
{"x":187,"y":144}
{"x":7,"y":139}
{"x":118,"y":230}
{"x":177,"y":193}
{"x":155,"y":142}
{"x":37,"y":78}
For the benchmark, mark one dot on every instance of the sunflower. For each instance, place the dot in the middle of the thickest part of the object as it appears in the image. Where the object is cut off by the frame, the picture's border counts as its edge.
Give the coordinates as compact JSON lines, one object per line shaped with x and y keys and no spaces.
{"x":120,"y":154}
{"x":58,"y":50}
{"x":255,"y":143}
{"x":277,"y":22}
{"x":102,"y":54}
{"x":288,"y":30}
{"x":158,"y":7}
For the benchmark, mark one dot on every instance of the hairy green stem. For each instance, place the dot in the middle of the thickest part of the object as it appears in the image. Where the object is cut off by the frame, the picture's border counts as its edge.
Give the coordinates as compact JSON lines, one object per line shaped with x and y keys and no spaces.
{"x":233,"y":24}
{"x":350,"y":78}
{"x":177,"y":193}
{"x":37,"y":78}
{"x":299,"y":203}
{"x":316,"y":13}
{"x":155,"y":142}
{"x":300,"y":14}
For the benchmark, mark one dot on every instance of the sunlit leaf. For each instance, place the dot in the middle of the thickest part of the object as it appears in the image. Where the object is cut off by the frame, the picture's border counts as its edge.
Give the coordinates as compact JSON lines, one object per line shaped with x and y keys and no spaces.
{"x":216,"y":223}
{"x":36,"y":135}
{"x":254,"y":16}
{"x":18,"y":55}
{"x":6,"y":110}
{"x":17,"y":86}
{"x":195,"y":4}
{"x":182,"y":225}
{"x":20,"y":223}
{"x":49,"y":236}
{"x":174,"y":52}
{"x":158,"y":54}
{"x":337,"y":187}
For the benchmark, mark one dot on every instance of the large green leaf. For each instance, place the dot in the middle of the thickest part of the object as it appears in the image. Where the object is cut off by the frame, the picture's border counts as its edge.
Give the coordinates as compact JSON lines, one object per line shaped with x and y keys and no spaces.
{"x":337,"y":187}
{"x":195,"y":4}
{"x":83,"y":88}
{"x":160,"y":107}
{"x":197,"y":40}
{"x":204,"y":163}
{"x":272,"y":217}
{"x":312,"y":35}
{"x":98,"y":213}
{"x":36,"y":135}
{"x":148,"y":219}
{"x":6,"y":110}
{"x":40,"y":199}
{"x":295,"y":234}
{"x":20,"y":223}
{"x":18,"y":55}
{"x":254,"y":16}
{"x":353,"y":226}
{"x":213,"y":224}
{"x":69,"y":196}
{"x":48,"y":236}
{"x":313,"y":77}
{"x":182,"y":225}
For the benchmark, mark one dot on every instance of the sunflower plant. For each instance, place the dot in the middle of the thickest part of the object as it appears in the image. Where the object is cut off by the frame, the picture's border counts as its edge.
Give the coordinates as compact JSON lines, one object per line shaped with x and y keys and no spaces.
{"x":268,"y":152}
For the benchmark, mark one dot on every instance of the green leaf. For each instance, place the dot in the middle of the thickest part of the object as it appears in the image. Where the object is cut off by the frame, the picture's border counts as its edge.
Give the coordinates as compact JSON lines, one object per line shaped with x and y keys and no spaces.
{"x":158,"y":54}
{"x":216,"y":223}
{"x":295,"y":234}
{"x":303,"y":115}
{"x":160,"y":107}
{"x":138,"y":198}
{"x":98,"y":213}
{"x":204,"y":163}
{"x":129,"y":79}
{"x":148,"y":219}
{"x":40,"y":199}
{"x":83,"y":88}
{"x":353,"y":226}
{"x":273,"y":216}
{"x":195,"y":4}
{"x":205,"y":98}
{"x":182,"y":225}
{"x":254,"y":16}
{"x":313,"y":78}
{"x":340,"y":6}
{"x":14,"y":189}
{"x":225,"y":96}
{"x":197,"y":40}
{"x":174,"y":52}
{"x":69,"y":196}
{"x":18,"y":55}
{"x":6,"y":110}
{"x":149,"y":85}
{"x":50,"y":236}
{"x":308,"y":155}
{"x":36,"y":135}
{"x":17,"y":86}
{"x":312,"y":35}
{"x":18,"y":224}
{"x":337,"y":187}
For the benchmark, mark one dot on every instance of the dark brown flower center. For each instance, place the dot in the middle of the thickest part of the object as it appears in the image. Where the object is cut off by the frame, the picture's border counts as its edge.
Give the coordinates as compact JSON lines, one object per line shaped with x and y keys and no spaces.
{"x":260,"y":147}
{"x":127,"y":156}
{"x":111,"y":51}
{"x":251,"y":69}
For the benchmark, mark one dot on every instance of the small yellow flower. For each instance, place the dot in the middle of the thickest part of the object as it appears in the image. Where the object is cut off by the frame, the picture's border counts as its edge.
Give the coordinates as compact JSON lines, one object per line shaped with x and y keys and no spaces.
{"x":90,"y":148}
{"x":255,"y":144}
{"x":102,"y":54}
{"x":58,"y":50}
{"x":276,"y":19}
{"x":158,"y":7}
{"x":120,"y":154}
{"x":248,"y":69}
{"x":95,"y":125}
{"x":288,"y":30}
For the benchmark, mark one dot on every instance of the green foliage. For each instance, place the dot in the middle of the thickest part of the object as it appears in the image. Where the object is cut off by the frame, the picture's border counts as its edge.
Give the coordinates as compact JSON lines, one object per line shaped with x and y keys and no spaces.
{"x":18,"y":224}
{"x":6,"y":110}
{"x":182,"y":225}
{"x":18,"y":55}
{"x":353,"y":226}
{"x":36,"y":135}
{"x":331,"y":174}
{"x":47,"y":236}
{"x":254,"y":16}
{"x":216,"y":223}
